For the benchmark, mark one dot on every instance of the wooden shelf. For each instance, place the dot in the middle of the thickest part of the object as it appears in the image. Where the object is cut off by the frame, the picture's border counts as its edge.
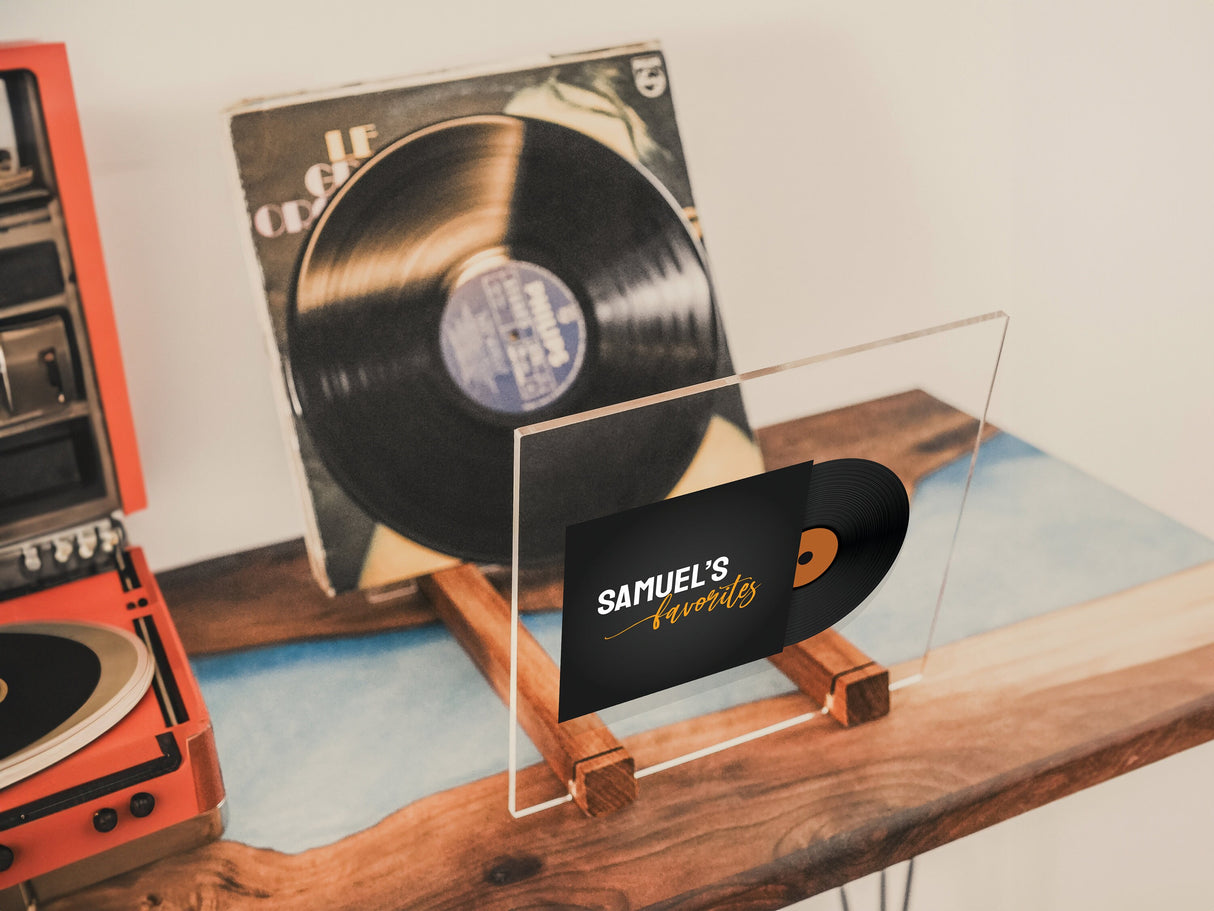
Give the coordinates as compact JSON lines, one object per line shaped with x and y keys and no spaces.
{"x":999,"y":725}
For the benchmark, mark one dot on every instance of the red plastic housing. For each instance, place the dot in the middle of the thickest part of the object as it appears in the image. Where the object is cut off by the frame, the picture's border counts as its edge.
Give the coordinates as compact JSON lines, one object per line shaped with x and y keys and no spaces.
{"x":48,"y":63}
{"x":163,"y":750}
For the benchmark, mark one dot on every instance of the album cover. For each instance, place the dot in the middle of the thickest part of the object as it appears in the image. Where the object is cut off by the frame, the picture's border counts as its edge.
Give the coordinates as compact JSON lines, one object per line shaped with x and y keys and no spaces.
{"x":445,"y":258}
{"x":684,"y":588}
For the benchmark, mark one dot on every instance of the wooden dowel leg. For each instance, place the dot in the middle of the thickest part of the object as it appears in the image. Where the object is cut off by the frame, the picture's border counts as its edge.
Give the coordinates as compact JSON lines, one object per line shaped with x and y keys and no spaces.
{"x":583,"y":752}
{"x":833,"y":672}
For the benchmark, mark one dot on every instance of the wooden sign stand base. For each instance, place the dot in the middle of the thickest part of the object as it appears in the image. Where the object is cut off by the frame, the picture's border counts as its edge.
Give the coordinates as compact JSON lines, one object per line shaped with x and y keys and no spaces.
{"x":583,"y":753}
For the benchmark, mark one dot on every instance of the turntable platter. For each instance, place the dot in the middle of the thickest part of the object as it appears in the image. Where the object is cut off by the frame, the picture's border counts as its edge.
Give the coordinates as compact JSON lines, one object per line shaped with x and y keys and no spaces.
{"x":62,"y":685}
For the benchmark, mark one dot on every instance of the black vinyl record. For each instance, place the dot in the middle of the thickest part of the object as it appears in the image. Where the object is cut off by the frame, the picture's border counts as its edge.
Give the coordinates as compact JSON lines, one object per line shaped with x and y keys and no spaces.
{"x":44,"y":680}
{"x":62,"y":685}
{"x":483,"y":274}
{"x":866,"y":507}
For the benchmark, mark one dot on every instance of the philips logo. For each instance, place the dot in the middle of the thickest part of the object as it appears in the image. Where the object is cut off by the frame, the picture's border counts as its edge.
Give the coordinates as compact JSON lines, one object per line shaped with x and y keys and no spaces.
{"x":545,"y":323}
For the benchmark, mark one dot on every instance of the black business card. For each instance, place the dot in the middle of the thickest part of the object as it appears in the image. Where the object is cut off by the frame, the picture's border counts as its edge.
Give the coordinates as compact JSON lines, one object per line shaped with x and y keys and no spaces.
{"x":678,"y":590}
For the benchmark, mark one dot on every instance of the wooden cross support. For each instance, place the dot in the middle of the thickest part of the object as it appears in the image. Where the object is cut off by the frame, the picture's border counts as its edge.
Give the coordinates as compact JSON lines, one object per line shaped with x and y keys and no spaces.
{"x":583,"y":752}
{"x":836,"y":674}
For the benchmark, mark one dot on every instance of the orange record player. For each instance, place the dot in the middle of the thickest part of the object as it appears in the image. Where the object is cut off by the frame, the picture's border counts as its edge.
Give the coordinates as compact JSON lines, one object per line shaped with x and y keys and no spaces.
{"x":107,"y":759}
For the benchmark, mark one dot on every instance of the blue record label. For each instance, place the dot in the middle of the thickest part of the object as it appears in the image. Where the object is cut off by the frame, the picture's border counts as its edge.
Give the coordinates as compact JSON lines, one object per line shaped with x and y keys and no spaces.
{"x":513,"y":337}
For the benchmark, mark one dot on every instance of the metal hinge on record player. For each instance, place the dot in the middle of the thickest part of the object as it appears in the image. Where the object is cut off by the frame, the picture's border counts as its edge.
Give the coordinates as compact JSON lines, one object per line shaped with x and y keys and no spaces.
{"x":60,"y":556}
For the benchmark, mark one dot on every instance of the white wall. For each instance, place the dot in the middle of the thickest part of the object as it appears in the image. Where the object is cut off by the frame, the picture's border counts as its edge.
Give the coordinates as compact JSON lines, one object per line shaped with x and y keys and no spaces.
{"x":861,"y":169}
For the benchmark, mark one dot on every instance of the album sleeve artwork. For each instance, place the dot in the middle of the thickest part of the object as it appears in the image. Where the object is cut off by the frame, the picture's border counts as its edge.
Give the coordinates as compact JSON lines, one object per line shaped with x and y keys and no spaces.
{"x":678,"y":590}
{"x":293,"y":158}
{"x":681,"y":589}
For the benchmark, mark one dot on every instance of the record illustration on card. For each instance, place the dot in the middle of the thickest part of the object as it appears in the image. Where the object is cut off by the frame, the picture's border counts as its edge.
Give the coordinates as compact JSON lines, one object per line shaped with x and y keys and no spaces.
{"x":855,"y":520}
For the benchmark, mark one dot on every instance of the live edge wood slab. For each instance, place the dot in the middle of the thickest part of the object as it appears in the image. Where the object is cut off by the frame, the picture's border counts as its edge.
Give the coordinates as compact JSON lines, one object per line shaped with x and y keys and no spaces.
{"x":1001,"y":723}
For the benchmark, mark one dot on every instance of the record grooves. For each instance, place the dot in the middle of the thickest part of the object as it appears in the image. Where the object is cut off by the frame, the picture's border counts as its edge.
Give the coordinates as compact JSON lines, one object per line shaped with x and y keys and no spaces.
{"x":66,"y":684}
{"x":865,"y":506}
{"x":483,"y":274}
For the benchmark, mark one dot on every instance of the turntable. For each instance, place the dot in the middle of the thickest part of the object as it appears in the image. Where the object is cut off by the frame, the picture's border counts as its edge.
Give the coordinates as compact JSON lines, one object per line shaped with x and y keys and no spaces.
{"x":107,"y":758}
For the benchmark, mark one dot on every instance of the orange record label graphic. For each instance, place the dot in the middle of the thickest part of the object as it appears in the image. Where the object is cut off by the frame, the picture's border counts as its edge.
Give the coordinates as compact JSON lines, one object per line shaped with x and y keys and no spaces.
{"x":818,"y":549}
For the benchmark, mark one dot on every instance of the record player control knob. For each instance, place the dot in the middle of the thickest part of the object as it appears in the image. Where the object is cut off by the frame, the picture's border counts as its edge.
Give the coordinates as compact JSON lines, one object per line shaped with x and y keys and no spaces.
{"x":64,"y":548}
{"x":109,"y":540}
{"x":105,"y":819}
{"x":142,"y":804}
{"x":31,"y":559}
{"x":86,"y":544}
{"x":6,"y":857}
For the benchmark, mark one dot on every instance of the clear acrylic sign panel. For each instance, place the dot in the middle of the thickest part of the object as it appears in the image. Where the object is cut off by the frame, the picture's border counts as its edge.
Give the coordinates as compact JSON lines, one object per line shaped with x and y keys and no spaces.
{"x":915,"y":403}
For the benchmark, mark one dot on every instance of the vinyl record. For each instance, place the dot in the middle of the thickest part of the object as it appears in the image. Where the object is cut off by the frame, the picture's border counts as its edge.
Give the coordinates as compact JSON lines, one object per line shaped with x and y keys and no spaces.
{"x":62,"y":685}
{"x":856,"y":517}
{"x":483,"y":274}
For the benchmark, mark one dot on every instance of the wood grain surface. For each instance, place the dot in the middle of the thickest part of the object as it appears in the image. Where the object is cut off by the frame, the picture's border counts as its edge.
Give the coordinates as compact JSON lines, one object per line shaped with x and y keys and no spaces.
{"x":1001,"y":723}
{"x":268,"y":595}
{"x":911,"y":433}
